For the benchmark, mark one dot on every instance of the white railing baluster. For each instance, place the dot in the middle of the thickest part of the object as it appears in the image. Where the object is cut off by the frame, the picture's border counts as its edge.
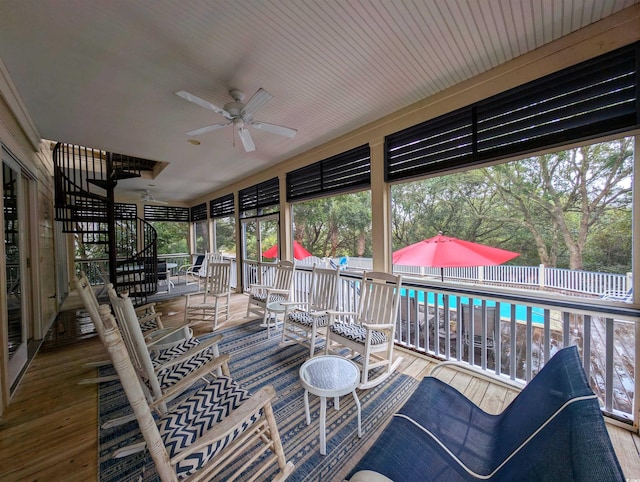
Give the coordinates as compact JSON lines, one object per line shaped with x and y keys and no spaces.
{"x":608,"y":379}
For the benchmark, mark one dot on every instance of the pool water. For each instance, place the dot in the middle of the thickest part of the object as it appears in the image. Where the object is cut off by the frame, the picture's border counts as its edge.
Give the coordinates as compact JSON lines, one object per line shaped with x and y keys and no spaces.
{"x":537,"y":315}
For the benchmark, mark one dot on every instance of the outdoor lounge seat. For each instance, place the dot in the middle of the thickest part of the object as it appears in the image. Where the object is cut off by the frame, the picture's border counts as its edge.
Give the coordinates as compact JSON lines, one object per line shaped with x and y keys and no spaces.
{"x":208,"y":431}
{"x":622,"y":296}
{"x":553,"y":430}
{"x":192,"y":269}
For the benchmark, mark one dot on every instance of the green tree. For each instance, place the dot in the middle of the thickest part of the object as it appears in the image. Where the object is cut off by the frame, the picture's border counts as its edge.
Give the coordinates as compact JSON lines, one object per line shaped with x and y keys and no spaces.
{"x":560,"y":197}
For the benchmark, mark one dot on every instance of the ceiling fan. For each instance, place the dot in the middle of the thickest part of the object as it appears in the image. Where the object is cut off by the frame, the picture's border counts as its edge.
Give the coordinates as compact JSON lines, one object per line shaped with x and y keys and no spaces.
{"x":147,"y":197}
{"x":239,"y":115}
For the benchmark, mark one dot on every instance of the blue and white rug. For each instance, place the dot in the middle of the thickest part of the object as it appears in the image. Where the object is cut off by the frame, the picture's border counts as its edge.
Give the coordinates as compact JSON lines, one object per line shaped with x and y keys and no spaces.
{"x":257,"y":361}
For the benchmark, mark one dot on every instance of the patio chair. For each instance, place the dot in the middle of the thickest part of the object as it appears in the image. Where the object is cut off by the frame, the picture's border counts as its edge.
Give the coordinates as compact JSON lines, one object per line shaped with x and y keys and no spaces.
{"x":493,"y":324}
{"x":620,"y":296}
{"x":164,"y":275}
{"x":207,"y":432}
{"x":216,"y":297}
{"x":169,"y":373}
{"x":304,"y":321}
{"x":262,"y":294}
{"x":148,"y":319}
{"x":370,"y":330}
{"x":553,"y":430}
{"x":192,"y":270}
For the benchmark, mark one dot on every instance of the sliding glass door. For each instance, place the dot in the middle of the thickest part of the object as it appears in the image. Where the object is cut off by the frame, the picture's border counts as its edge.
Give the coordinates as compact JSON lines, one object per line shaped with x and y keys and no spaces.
{"x":16,"y":287}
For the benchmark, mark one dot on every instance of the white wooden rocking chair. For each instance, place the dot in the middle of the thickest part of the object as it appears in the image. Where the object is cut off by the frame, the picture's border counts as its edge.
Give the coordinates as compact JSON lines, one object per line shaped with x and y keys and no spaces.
{"x":216,"y":298}
{"x":305,"y":321}
{"x":148,"y":318}
{"x":370,"y":330}
{"x":205,"y":433}
{"x":168,"y":374}
{"x":260,"y":295}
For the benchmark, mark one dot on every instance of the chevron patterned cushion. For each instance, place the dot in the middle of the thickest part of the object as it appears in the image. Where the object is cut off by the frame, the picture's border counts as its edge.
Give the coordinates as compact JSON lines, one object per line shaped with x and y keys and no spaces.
{"x":304,"y":318}
{"x":149,"y":325}
{"x":358,"y":333}
{"x":173,"y":374}
{"x":175,"y":351}
{"x":192,"y":418}
{"x":262,"y":297}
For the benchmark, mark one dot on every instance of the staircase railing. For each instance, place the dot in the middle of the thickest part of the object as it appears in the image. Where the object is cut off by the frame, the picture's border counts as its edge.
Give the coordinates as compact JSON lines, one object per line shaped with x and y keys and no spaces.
{"x":85,"y":180}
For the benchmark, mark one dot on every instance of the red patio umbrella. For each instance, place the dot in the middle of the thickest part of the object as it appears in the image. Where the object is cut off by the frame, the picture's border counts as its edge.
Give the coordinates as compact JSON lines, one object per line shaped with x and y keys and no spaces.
{"x":299,"y":252}
{"x":446,"y":252}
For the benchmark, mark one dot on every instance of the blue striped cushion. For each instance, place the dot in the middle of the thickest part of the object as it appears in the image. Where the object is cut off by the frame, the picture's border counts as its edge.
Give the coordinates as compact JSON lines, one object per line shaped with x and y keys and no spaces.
{"x":173,"y":374}
{"x":195,"y":416}
{"x":262,"y":297}
{"x":304,"y":318}
{"x":175,"y":351}
{"x":149,"y":325}
{"x":358,"y":333}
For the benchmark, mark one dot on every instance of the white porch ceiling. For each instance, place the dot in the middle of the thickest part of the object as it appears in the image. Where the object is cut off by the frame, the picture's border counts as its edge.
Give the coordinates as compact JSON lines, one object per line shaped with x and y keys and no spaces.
{"x":103,"y":73}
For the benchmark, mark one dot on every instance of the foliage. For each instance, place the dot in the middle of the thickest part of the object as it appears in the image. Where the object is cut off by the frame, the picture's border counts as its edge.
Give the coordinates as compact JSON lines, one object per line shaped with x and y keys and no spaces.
{"x":568,"y":209}
{"x":172,"y":237}
{"x":225,"y":229}
{"x":335,"y":226}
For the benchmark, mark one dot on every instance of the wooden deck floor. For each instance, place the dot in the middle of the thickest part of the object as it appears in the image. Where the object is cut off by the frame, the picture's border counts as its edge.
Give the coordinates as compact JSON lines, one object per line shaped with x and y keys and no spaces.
{"x":49,"y":432}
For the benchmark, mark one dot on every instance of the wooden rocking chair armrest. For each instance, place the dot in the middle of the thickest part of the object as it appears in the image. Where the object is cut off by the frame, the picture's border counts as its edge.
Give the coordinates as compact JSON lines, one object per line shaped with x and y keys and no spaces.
{"x":190,"y":353}
{"x":275,"y":291}
{"x":234,"y":420}
{"x":191,"y":378}
{"x":151,"y":316}
{"x":145,"y":307}
{"x":317,"y":313}
{"x":378,"y":326}
{"x":151,"y":340}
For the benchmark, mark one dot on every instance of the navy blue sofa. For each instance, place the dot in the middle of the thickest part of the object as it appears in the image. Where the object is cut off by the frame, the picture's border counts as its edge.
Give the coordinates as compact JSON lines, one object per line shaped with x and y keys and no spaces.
{"x":552,"y":431}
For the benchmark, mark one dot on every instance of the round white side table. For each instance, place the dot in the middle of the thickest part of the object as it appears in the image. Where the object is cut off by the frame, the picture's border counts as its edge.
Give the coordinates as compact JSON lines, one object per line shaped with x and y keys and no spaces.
{"x":273,"y":309}
{"x":329,"y":376}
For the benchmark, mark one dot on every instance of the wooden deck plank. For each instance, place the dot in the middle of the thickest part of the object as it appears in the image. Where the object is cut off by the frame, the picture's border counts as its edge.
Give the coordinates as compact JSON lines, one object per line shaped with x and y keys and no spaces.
{"x":626,"y":448}
{"x":476,"y":390}
{"x":493,"y":400}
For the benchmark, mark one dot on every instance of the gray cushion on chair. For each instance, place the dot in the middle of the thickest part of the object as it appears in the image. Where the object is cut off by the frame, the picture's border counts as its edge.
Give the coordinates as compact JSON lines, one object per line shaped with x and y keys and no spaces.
{"x":185,"y":423}
{"x":358,"y":333}
{"x":304,"y":318}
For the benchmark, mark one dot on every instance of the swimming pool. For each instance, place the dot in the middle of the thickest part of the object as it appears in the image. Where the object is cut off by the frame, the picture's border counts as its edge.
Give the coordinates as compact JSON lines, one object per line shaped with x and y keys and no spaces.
{"x":537,"y":315}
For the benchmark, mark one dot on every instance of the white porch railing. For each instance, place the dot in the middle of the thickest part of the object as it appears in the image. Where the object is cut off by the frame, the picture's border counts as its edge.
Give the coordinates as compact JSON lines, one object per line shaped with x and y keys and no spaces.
{"x":529,"y":328}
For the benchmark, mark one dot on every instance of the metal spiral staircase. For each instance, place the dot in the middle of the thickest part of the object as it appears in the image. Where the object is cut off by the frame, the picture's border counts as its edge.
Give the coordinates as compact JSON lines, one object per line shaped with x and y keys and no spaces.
{"x":85,"y":180}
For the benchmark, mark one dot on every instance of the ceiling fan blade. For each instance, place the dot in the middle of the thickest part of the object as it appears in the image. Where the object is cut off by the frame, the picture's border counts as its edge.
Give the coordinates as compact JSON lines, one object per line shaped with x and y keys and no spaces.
{"x":257,"y":100}
{"x":203,"y":103}
{"x":245,"y":137}
{"x":275,"y":129}
{"x":157,"y":201}
{"x":203,"y":130}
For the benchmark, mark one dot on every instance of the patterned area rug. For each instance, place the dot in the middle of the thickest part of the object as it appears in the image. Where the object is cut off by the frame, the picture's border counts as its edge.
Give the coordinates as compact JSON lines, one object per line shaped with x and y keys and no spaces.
{"x":257,"y":361}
